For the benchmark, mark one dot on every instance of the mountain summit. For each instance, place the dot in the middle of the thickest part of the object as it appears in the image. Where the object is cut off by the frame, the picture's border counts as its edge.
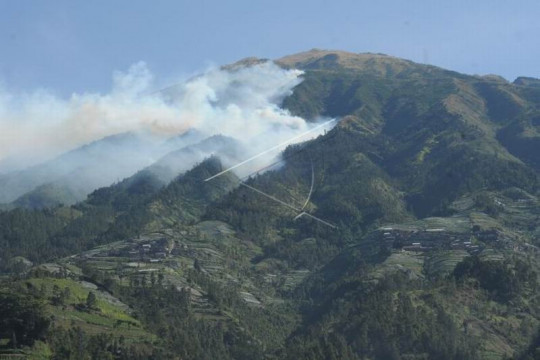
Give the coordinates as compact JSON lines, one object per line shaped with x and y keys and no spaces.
{"x":331,"y":60}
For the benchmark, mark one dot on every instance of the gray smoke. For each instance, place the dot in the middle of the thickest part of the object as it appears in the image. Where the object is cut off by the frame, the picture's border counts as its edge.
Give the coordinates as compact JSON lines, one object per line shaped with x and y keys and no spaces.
{"x":241,"y":103}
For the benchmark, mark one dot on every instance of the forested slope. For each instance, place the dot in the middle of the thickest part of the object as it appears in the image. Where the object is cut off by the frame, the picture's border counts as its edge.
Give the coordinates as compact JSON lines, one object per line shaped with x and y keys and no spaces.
{"x":420,"y":238}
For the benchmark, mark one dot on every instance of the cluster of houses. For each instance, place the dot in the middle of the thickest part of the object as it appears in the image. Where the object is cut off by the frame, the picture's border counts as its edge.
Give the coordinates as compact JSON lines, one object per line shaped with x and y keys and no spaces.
{"x":414,"y":238}
{"x":426,"y":240}
{"x":148,"y":251}
{"x":488,"y":236}
{"x":155,"y":251}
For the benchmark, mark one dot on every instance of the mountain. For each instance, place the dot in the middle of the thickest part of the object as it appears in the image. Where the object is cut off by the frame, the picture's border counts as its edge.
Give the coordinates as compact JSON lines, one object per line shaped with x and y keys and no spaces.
{"x":70,"y":177}
{"x":409,"y":231}
{"x":81,"y":170}
{"x":431,"y":125}
{"x":46,"y":196}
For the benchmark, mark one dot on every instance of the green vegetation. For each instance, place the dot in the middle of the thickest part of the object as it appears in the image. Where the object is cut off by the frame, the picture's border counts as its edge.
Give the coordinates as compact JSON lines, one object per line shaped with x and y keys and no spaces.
{"x":23,"y":319}
{"x":430,"y":183}
{"x":504,"y":280}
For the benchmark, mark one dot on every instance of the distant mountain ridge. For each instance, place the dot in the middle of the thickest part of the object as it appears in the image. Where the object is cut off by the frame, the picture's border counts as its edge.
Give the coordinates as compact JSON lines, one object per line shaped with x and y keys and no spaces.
{"x":70,"y":177}
{"x":92,"y":163}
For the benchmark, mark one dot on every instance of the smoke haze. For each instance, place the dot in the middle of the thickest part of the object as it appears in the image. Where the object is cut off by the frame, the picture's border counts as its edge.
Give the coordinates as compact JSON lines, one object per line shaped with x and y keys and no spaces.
{"x":241,"y":103}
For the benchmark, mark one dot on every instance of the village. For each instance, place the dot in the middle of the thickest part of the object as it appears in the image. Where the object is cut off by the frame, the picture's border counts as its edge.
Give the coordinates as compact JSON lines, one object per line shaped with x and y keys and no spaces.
{"x":431,"y":239}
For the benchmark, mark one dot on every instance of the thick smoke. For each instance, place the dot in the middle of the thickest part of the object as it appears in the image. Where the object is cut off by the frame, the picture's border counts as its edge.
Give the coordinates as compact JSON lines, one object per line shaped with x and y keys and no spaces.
{"x":39,"y":125}
{"x":240,"y":102}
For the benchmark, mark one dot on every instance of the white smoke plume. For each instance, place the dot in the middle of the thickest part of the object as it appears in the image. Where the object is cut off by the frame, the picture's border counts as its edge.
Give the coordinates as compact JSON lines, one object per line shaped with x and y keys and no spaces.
{"x":242,"y":103}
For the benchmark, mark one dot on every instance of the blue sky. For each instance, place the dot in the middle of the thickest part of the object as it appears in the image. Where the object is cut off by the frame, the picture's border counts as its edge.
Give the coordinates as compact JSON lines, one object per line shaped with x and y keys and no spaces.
{"x":74,"y":46}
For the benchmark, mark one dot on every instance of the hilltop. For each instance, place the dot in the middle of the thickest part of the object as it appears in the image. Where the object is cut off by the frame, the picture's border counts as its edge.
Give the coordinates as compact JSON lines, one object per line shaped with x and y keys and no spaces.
{"x":314,"y":59}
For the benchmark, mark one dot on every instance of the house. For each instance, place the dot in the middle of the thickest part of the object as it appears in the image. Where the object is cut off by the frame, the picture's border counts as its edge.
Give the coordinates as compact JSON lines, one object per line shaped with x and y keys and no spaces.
{"x":146,"y":248}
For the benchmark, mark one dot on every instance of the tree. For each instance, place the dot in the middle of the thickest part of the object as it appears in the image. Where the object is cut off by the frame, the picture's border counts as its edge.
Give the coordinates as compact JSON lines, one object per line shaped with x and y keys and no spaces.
{"x":66,"y":294}
{"x":57,"y":295}
{"x":22,"y":318}
{"x":91,"y":300}
{"x":197,"y":265}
